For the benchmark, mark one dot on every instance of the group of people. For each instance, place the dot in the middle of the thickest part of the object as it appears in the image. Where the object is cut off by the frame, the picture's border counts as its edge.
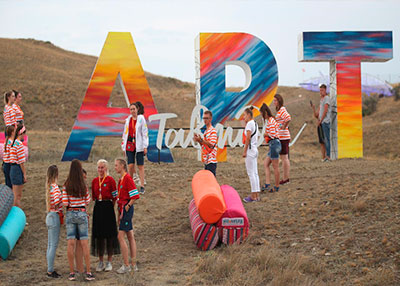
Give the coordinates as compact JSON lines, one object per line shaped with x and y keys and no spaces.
{"x":13,"y":152}
{"x":108,"y":232}
{"x":277,"y":136}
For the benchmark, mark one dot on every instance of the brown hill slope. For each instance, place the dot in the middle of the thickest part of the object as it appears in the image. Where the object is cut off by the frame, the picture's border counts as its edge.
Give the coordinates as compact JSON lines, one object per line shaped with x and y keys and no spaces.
{"x":53,"y":80}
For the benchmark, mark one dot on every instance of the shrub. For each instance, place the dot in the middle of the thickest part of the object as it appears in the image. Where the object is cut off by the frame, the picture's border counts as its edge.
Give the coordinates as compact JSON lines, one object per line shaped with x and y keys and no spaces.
{"x":396,"y":92}
{"x":369,"y":105}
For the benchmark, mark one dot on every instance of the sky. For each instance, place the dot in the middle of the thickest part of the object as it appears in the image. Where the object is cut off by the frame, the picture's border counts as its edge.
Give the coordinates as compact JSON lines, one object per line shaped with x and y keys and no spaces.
{"x":164,"y":31}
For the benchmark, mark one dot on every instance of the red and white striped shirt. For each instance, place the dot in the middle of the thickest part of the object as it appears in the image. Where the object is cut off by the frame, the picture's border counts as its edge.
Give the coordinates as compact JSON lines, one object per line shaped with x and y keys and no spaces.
{"x":55,"y":198}
{"x":74,"y":202}
{"x":282,"y":116}
{"x":17,"y":153}
{"x":272,"y":128}
{"x":19,"y":114}
{"x":9,"y":115}
{"x":209,"y":155}
{"x":7,"y":151}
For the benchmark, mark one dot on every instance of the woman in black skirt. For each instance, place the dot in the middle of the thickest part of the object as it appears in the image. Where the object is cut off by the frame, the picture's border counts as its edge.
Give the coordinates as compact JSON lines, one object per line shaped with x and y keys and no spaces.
{"x":104,"y":231}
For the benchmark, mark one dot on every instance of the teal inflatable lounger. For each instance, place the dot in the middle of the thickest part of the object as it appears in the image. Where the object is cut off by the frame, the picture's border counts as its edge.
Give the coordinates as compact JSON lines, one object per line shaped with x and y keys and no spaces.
{"x":11,"y":230}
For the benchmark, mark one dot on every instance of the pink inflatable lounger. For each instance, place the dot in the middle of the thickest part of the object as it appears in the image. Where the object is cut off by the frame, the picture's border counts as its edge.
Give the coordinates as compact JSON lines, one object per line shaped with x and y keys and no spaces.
{"x":233,"y":226}
{"x":205,"y":235}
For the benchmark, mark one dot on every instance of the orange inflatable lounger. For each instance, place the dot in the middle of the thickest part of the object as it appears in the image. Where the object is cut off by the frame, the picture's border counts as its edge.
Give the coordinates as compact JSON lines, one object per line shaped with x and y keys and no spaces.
{"x":208,"y":196}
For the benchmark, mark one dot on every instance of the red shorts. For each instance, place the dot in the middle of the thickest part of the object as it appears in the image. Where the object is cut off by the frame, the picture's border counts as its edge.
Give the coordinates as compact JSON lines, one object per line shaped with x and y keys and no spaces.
{"x":285,"y":147}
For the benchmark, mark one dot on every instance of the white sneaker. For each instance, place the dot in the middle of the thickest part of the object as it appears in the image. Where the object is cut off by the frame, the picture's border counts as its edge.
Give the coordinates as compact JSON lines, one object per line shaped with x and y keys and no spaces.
{"x":108,"y":266}
{"x":100,"y":267}
{"x":124,"y":269}
{"x":135,"y":177}
{"x":135,"y":268}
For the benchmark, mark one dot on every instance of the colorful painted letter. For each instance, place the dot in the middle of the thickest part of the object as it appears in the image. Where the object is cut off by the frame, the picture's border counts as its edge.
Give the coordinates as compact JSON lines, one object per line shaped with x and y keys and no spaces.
{"x":345,"y":51}
{"x":216,"y":50}
{"x":118,"y":59}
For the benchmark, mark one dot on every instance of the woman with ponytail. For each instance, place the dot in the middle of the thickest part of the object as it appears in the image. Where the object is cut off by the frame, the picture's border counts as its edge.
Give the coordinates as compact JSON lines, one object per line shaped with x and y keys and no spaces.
{"x":251,"y":153}
{"x":54,"y":218}
{"x":9,"y":111}
{"x":271,"y":137}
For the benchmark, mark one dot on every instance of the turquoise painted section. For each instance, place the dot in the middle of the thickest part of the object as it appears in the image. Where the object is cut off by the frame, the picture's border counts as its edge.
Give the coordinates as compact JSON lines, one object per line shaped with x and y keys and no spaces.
{"x":11,"y":230}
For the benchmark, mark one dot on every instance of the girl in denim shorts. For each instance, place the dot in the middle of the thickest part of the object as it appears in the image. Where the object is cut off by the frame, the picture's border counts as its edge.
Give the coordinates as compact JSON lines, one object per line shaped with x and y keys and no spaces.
{"x":76,"y":198}
{"x":271,"y":137}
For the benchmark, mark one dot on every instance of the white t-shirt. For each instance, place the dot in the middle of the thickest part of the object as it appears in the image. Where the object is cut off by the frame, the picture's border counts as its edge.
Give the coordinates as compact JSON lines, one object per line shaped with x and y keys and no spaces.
{"x":251,"y":126}
{"x":325,"y":100}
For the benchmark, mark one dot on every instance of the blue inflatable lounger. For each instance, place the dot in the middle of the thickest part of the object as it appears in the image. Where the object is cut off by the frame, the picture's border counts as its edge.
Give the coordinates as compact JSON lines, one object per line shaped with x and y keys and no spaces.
{"x":11,"y":230}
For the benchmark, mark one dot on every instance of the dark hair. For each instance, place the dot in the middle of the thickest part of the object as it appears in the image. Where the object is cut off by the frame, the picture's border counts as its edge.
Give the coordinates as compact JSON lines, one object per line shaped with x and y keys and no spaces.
{"x":75,"y":184}
{"x":279,"y":98}
{"x":322,"y":86}
{"x":208,"y":112}
{"x":140,"y":107}
{"x":122,"y":162}
{"x":9,"y":131}
{"x":84,"y":171}
{"x":16,"y":92}
{"x":249,"y":110}
{"x":52,"y":173}
{"x":265,"y":111}
{"x":7,"y":96}
{"x":19,"y":128}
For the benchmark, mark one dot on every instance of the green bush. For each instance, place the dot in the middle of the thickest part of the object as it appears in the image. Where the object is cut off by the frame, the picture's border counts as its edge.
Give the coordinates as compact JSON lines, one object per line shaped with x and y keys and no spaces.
{"x":396,"y":92}
{"x":369,"y":104}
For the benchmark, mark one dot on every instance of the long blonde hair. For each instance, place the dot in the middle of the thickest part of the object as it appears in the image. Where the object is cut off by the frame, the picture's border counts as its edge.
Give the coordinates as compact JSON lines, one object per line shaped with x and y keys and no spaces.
{"x":52,"y":176}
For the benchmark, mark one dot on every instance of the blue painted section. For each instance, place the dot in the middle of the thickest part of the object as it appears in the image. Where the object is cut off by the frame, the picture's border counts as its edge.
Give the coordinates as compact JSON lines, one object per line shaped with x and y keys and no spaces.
{"x":11,"y":230}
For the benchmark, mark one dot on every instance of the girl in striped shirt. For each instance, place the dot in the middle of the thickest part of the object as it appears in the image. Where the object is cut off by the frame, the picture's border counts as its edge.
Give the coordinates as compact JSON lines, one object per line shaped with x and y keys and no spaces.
{"x":76,"y":198}
{"x":283,"y":119}
{"x":9,"y":111}
{"x":271,"y":137}
{"x":53,"y":218}
{"x":19,"y":114}
{"x":17,"y":161}
{"x":6,"y":154}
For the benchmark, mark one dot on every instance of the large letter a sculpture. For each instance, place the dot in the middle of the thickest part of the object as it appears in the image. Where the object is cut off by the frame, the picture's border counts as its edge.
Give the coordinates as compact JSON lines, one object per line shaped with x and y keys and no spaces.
{"x":118,"y":59}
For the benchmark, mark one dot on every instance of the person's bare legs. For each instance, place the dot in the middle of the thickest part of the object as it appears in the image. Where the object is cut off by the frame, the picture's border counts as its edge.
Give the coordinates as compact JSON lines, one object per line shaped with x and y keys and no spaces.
{"x":79,"y":256}
{"x":323,"y":151}
{"x":286,"y":166}
{"x":131,"y":169}
{"x":267,"y":163}
{"x":132,"y":246}
{"x":275,"y":165}
{"x":141,"y":175}
{"x":17,"y":190}
{"x":86,"y":254}
{"x":123,"y":246}
{"x":70,"y":254}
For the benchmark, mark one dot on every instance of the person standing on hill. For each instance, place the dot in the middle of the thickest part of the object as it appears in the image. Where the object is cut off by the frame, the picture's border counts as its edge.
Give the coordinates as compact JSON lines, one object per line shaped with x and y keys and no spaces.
{"x":104,"y":230}
{"x":208,"y":144}
{"x":324,"y":119}
{"x":250,"y":152}
{"x":19,"y":114}
{"x":6,"y":154}
{"x":135,"y":141}
{"x":271,"y":137}
{"x":54,"y":218}
{"x":283,"y":119}
{"x":17,"y":161}
{"x":127,"y":195}
{"x":9,"y":111}
{"x":76,"y":198}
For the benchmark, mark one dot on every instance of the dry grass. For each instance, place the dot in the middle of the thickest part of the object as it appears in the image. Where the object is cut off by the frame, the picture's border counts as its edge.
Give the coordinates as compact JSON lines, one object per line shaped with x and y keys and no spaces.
{"x":336,"y":224}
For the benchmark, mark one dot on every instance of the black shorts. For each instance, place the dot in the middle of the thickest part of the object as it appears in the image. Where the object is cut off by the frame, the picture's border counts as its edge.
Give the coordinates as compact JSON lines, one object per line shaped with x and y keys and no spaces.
{"x":125,"y":223}
{"x":139,"y":156}
{"x":285,"y":147}
{"x":321,"y":137}
{"x":212,"y":167}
